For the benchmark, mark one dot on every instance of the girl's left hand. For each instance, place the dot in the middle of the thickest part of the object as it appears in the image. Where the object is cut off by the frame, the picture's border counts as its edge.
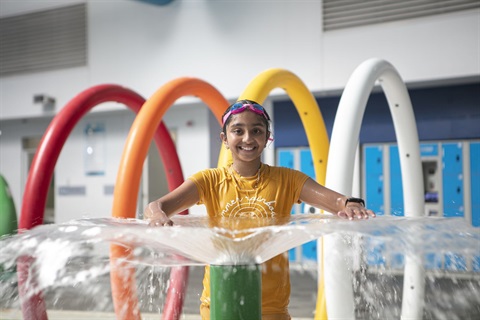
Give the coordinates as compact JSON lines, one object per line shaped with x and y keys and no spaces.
{"x":356,"y":211}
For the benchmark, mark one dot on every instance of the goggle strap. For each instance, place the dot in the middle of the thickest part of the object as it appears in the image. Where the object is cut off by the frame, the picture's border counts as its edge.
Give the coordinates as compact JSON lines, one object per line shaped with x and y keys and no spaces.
{"x":240,"y":107}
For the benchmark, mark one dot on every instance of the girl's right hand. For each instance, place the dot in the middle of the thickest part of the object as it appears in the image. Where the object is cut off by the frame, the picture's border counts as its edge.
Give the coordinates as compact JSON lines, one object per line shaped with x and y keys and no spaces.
{"x":156,"y":216}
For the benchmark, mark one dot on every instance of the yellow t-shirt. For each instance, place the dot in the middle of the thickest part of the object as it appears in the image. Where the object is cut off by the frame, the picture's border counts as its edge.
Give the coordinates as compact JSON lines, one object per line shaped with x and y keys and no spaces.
{"x":269,"y":194}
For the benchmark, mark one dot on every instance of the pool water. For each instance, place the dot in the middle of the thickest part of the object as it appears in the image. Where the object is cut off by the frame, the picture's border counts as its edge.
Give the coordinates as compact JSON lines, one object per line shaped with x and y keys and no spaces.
{"x":72,"y":266}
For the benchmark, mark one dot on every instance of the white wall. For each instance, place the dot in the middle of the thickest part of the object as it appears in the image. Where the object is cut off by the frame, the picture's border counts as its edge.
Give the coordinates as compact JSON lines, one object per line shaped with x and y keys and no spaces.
{"x":70,"y":168}
{"x":11,"y":157}
{"x":226,"y":43}
{"x":188,"y":121}
{"x":430,"y":49}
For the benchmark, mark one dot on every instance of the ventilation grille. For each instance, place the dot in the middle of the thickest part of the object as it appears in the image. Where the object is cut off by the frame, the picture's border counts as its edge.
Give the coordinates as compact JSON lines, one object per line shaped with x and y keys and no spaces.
{"x":339,"y":14}
{"x":45,"y":40}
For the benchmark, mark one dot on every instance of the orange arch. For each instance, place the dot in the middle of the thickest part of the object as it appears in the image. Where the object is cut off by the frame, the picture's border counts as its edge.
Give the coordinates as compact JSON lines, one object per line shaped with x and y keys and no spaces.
{"x":129,"y":174}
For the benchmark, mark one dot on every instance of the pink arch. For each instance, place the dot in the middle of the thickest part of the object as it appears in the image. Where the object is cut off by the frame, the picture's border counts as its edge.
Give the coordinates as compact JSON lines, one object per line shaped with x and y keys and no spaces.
{"x":41,"y":171}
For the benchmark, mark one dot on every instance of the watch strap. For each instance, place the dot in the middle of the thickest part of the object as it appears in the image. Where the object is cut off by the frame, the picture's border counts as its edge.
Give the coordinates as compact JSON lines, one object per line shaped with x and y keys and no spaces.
{"x":356,"y":200}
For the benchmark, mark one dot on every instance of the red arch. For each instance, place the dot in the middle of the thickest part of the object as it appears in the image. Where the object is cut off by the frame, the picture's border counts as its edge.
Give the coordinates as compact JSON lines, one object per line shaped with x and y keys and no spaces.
{"x":41,"y":171}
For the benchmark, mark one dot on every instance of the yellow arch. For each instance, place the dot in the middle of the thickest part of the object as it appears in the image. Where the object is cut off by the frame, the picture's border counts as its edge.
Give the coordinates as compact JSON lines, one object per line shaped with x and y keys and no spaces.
{"x":312,"y":120}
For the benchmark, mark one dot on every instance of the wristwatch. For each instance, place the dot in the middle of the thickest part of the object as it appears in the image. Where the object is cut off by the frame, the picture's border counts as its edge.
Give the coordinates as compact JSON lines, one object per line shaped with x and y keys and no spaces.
{"x":356,"y":200}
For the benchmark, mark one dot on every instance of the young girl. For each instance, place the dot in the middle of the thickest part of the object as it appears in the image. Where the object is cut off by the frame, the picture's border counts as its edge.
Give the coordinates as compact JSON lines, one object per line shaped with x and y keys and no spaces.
{"x":249,"y":188}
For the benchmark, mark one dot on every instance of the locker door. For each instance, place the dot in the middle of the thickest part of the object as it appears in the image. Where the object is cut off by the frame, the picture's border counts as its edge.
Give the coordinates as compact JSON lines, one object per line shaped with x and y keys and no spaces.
{"x":453,"y":205}
{"x":374,"y":194}
{"x":309,"y":249}
{"x":452,"y":180}
{"x":396,"y":184}
{"x":306,"y":163}
{"x":286,"y":158}
{"x":475,"y":182}
{"x":374,"y":178}
{"x":475,"y":193}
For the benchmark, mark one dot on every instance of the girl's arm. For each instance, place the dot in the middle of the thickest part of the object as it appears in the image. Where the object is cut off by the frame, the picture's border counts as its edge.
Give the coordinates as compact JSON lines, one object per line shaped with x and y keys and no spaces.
{"x":158,"y":212}
{"x":321,"y":197}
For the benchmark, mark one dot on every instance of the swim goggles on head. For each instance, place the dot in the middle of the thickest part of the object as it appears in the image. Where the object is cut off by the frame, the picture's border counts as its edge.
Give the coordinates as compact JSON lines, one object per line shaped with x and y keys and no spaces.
{"x":241,"y":106}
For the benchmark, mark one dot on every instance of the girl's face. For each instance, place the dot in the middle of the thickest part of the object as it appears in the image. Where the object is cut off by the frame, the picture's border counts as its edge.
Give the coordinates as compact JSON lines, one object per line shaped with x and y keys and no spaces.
{"x":246,"y":136}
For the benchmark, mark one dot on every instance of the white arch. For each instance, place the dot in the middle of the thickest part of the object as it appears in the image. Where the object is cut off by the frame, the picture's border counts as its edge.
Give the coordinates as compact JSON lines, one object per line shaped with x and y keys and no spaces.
{"x":344,"y":140}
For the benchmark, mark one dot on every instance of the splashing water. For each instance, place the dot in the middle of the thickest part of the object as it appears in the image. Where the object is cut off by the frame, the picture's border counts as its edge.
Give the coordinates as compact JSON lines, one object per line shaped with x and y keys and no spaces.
{"x":71,"y":260}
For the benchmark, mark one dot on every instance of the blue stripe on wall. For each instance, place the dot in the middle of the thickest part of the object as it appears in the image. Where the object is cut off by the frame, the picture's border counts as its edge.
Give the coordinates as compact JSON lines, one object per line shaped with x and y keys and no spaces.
{"x":458,"y":119}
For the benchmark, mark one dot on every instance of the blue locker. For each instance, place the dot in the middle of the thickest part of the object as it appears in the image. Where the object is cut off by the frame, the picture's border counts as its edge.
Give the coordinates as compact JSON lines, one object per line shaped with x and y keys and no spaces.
{"x":374,"y":178}
{"x":453,"y":203}
{"x":286,"y":159}
{"x":475,"y":193}
{"x":452,"y":197}
{"x":374,"y":196}
{"x":476,"y":264}
{"x":433,"y":261}
{"x":397,"y":261}
{"x":306,"y":163}
{"x":452,"y":180}
{"x":396,"y":183}
{"x":375,"y":251}
{"x":455,"y":262}
{"x":309,"y":249}
{"x":475,"y":182}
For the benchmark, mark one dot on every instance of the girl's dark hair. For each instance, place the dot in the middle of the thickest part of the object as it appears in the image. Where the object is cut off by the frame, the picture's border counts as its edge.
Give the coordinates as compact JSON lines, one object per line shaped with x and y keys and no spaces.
{"x":245,"y":101}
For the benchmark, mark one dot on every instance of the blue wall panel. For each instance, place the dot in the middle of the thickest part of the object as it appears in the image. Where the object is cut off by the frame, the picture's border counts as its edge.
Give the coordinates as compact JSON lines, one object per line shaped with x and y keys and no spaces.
{"x":458,"y":119}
